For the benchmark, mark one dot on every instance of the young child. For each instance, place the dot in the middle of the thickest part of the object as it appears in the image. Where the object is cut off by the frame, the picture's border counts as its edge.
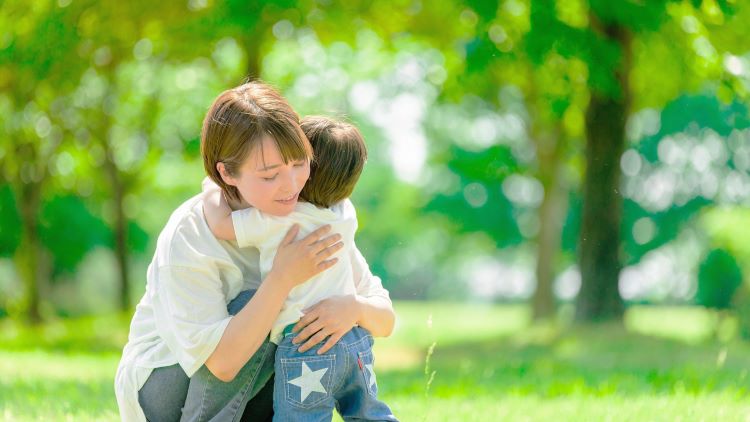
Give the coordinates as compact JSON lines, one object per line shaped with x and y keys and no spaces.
{"x":308,"y":384}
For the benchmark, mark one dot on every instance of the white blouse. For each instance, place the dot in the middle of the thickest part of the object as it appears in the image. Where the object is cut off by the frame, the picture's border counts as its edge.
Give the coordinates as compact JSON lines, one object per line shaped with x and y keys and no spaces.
{"x":183,"y":313}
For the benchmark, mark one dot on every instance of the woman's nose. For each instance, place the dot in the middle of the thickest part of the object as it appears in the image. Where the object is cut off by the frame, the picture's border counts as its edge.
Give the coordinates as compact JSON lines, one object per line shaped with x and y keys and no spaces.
{"x":290,"y":182}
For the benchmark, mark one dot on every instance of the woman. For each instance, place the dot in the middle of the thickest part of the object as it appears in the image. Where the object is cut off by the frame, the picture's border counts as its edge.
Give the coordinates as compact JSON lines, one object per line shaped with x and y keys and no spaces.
{"x":198,"y":347}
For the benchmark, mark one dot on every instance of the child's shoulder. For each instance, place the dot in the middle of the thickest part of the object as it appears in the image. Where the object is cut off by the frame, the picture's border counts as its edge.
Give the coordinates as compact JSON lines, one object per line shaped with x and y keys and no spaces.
{"x":344,"y":207}
{"x":344,"y":211}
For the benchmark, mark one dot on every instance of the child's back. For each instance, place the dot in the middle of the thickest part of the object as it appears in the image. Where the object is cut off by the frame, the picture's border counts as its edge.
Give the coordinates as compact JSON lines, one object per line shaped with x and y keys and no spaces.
{"x":264,"y":231}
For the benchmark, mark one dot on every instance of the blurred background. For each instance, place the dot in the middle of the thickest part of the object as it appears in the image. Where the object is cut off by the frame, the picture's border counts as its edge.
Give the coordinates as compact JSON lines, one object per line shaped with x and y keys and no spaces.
{"x":556,"y":194}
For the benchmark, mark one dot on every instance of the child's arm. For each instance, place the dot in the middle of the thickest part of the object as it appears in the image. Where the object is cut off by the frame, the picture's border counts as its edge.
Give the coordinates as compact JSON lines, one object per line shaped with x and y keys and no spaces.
{"x":377,"y":313}
{"x":217,"y":212}
{"x":376,"y":306}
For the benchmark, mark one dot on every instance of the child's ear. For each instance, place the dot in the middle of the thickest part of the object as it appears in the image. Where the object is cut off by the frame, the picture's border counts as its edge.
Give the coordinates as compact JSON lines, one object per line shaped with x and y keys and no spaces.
{"x":225,"y":176}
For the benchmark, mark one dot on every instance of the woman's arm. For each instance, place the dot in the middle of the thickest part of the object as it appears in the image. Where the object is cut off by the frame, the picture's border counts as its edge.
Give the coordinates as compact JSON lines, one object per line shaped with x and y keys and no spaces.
{"x":295,"y":262}
{"x":370,"y":308}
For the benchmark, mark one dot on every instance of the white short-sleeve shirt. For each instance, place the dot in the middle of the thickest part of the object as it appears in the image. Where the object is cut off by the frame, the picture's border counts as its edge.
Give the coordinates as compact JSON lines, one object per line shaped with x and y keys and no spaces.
{"x":350,"y":275}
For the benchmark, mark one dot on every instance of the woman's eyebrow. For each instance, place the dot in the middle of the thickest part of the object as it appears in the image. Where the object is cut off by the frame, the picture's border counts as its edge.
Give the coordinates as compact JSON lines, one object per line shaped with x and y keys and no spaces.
{"x":269,"y":167}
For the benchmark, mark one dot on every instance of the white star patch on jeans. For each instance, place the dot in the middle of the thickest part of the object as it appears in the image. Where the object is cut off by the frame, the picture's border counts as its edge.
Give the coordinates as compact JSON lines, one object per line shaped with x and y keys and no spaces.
{"x":309,"y":381}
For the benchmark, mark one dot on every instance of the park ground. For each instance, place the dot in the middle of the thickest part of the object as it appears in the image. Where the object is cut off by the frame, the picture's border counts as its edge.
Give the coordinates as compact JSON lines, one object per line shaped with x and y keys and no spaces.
{"x":488,"y":362}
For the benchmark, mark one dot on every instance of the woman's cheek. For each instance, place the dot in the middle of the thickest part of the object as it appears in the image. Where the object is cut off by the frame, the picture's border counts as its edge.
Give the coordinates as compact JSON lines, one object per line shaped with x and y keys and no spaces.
{"x":256,"y":193}
{"x":304,"y":174}
{"x":264,"y":191}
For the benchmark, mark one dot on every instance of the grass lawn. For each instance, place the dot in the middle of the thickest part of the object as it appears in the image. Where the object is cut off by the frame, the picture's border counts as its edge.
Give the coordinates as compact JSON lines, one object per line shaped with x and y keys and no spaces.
{"x":489,"y":363}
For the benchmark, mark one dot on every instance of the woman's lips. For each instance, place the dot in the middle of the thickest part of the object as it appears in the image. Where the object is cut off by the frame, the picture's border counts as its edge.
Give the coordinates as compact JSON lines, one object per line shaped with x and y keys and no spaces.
{"x":289,"y":200}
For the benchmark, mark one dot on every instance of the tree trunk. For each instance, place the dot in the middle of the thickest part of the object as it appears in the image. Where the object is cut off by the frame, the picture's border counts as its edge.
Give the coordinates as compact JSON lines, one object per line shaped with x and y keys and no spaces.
{"x":27,"y":256}
{"x":599,"y":252}
{"x":120,"y":225}
{"x":550,"y":228}
{"x":548,"y":138}
{"x":253,"y":59}
{"x":252,"y":45}
{"x":120,"y":229}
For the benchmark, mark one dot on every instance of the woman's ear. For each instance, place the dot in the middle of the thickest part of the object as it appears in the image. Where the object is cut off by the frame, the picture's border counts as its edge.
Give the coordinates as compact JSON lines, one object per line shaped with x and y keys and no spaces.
{"x":225,"y":176}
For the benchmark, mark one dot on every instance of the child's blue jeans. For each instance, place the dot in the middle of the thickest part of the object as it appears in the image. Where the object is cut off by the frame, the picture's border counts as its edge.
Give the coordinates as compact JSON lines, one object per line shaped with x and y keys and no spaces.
{"x":309,"y":386}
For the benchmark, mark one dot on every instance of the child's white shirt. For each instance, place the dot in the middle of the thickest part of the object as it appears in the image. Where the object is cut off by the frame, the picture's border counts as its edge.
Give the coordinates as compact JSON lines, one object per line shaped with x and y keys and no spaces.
{"x":255,"y":228}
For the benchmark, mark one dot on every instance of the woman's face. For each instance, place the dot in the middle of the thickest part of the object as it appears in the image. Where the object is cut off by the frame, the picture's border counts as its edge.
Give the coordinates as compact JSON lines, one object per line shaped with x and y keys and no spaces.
{"x":266,"y":183}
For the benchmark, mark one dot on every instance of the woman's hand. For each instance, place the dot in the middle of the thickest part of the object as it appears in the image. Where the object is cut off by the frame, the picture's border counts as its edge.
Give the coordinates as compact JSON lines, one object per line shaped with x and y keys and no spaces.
{"x":298,"y":260}
{"x":332,"y":318}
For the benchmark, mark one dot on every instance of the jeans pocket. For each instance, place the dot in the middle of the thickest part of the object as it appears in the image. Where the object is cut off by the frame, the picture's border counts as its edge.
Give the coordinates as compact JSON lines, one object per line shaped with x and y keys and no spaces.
{"x":367,"y":366}
{"x":308,"y":379}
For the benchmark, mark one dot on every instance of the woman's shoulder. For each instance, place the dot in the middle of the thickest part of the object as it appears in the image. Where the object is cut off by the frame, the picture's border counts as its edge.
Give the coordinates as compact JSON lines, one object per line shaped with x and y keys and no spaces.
{"x":186,"y":239}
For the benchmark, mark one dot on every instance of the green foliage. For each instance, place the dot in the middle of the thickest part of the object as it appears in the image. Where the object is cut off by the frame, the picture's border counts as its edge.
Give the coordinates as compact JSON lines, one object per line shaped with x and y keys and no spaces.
{"x":478,"y":204}
{"x":601,"y":54}
{"x":10,"y":222}
{"x":138,"y":238}
{"x":638,"y":16}
{"x":719,"y":276}
{"x":686,"y":114}
{"x":486,"y":9}
{"x":741,"y":307}
{"x":69,"y":230}
{"x":694,"y":112}
{"x":481,"y":52}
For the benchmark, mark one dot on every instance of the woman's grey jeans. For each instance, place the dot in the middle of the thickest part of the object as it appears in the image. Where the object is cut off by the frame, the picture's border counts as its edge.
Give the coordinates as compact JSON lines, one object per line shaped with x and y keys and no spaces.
{"x":169,"y":395}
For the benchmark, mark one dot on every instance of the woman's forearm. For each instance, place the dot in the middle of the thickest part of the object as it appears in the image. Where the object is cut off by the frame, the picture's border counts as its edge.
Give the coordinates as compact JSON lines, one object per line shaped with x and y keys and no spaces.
{"x":295,"y":262}
{"x":247,"y":330}
{"x":376,"y":315}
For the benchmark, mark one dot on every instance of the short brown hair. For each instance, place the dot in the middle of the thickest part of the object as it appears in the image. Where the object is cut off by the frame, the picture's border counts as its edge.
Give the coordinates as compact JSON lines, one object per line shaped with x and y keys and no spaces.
{"x":237,"y":122}
{"x":340,"y":155}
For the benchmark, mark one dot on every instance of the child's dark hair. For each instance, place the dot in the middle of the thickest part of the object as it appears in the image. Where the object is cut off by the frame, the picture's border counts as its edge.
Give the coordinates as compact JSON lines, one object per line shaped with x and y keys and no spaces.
{"x":339,"y":156}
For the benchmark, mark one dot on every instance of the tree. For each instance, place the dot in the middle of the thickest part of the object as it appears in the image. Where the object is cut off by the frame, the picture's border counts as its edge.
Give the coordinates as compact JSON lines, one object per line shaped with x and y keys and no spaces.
{"x":35,"y":72}
{"x":502,"y":52}
{"x":605,"y":41}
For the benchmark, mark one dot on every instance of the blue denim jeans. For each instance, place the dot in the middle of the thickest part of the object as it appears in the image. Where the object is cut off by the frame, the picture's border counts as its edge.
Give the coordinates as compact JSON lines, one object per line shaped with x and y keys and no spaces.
{"x":169,"y":395}
{"x":308,"y":386}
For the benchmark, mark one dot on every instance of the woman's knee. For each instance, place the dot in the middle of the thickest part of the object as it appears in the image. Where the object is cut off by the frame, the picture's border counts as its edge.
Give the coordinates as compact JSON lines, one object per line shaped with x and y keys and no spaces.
{"x":163,"y":395}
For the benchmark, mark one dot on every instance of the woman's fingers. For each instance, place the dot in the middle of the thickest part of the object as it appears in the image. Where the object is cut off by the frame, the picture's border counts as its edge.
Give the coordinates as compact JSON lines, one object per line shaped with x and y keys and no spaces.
{"x":327,"y":264}
{"x":316,"y":235}
{"x":297,"y":261}
{"x":325,"y":242}
{"x":315,"y":339}
{"x":308,"y":331}
{"x":290,"y":235}
{"x":332,"y":340}
{"x":330,"y":250}
{"x":302,"y":323}
{"x":326,"y":321}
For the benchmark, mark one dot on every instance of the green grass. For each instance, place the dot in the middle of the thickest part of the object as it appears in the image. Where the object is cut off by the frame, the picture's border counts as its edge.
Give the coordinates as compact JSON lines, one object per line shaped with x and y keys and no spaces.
{"x":490,"y":363}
